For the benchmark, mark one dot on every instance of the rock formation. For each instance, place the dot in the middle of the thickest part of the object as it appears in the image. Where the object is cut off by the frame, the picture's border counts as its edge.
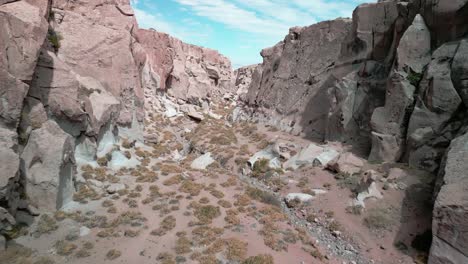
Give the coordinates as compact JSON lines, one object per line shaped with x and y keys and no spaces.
{"x":73,"y":78}
{"x":184,"y":71}
{"x":391,"y":83}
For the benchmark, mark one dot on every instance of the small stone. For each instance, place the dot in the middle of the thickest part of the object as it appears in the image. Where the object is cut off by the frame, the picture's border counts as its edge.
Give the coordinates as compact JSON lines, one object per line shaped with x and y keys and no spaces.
{"x":84,"y":231}
{"x":116,"y":187}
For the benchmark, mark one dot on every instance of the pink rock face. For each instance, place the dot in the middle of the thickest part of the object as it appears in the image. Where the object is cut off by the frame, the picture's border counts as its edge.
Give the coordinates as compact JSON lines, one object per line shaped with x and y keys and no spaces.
{"x":185,"y":71}
{"x":97,"y":42}
{"x":22,"y":32}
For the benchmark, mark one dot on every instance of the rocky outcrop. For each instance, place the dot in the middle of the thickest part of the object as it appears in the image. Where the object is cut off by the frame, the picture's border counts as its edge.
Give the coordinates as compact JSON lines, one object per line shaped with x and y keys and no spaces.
{"x":451,"y":207}
{"x":288,"y":95}
{"x":184,"y":71}
{"x":392,"y":84}
{"x":243,"y":78}
{"x":73,"y":76}
{"x":389,"y":122}
{"x":23,"y":28}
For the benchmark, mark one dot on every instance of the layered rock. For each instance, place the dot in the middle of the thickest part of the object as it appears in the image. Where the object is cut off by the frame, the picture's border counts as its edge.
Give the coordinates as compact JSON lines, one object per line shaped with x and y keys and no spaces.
{"x":184,"y":71}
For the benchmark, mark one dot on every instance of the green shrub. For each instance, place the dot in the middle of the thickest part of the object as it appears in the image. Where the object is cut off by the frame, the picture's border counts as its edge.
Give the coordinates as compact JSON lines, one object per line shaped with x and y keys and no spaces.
{"x":414,"y":78}
{"x":54,"y":38}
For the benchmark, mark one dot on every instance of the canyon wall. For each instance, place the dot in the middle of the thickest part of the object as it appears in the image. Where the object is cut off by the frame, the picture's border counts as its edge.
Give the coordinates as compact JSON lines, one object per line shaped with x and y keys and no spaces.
{"x":187,"y":72}
{"x":392,"y":84}
{"x":73,"y":76}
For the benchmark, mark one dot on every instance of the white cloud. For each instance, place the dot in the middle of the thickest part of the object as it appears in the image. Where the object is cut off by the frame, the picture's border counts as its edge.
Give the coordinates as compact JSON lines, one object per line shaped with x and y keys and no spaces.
{"x":156,"y":21}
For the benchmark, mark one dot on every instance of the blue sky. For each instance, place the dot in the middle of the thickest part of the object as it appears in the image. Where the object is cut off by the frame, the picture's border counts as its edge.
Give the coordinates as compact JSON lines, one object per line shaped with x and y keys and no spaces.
{"x":239,"y":29}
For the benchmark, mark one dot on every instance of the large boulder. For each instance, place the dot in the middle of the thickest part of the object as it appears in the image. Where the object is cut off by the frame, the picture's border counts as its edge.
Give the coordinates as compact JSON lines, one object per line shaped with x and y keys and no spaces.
{"x":48,"y":166}
{"x":451,"y":207}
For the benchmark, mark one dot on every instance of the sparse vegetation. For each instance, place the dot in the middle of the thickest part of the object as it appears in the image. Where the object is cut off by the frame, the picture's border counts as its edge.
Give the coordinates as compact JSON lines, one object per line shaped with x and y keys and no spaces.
{"x":259,"y":259}
{"x":55,"y":39}
{"x":207,"y":213}
{"x":113,"y":254}
{"x":262,"y":196}
{"x":378,"y":219}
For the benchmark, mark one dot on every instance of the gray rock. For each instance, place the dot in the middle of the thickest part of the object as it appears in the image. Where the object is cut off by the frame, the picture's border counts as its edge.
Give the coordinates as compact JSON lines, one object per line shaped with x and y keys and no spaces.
{"x":202,"y":162}
{"x":48,"y":166}
{"x":451,"y":207}
{"x":116,"y":187}
{"x":2,"y":243}
{"x":460,"y":71}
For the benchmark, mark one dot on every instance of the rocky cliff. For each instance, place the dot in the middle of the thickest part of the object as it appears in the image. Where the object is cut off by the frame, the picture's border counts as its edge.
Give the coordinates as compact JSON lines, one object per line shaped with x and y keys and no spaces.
{"x":73,"y":79}
{"x":391,"y":83}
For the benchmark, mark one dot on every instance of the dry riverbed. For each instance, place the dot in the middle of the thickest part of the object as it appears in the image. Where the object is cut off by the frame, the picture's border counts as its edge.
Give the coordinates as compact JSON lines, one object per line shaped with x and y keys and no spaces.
{"x":162,"y":207}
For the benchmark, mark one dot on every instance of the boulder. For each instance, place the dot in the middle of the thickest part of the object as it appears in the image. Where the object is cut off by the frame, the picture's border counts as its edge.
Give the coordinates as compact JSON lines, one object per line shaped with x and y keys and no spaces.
{"x":385,"y":148}
{"x":300,"y":197}
{"x":115,"y":187}
{"x":271,"y":153}
{"x":202,"y":162}
{"x":346,"y":163}
{"x":7,"y":221}
{"x":196,"y":116}
{"x":48,"y":166}
{"x":305,"y":157}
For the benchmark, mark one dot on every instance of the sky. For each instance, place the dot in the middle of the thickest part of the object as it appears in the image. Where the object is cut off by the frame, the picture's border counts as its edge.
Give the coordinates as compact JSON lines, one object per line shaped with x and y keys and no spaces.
{"x":238,"y":29}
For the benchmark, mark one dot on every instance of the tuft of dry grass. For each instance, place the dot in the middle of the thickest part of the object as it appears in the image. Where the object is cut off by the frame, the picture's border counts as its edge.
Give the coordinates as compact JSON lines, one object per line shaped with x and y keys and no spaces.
{"x":167,"y":224}
{"x":236,"y":250}
{"x":191,"y":188}
{"x":225,"y":204}
{"x":46,"y":225}
{"x":64,"y":248}
{"x":183,"y":245}
{"x":166,"y":258}
{"x":113,"y":254}
{"x":259,"y":259}
{"x":176,"y":179}
{"x":207,"y":213}
{"x":379,"y":219}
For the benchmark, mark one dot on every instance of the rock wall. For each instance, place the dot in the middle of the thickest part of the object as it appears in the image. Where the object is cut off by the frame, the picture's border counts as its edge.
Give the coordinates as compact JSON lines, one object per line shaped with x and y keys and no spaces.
{"x":391,"y":83}
{"x":243,"y":77}
{"x":184,"y":71}
{"x":73,"y":76}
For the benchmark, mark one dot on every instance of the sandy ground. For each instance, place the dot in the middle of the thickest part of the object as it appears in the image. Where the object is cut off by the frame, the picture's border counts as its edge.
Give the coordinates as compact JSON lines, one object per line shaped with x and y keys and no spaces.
{"x":170,"y":213}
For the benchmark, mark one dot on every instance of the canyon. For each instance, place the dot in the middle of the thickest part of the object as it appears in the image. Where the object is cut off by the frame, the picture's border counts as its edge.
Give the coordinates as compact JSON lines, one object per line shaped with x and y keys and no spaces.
{"x":347,"y":144}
